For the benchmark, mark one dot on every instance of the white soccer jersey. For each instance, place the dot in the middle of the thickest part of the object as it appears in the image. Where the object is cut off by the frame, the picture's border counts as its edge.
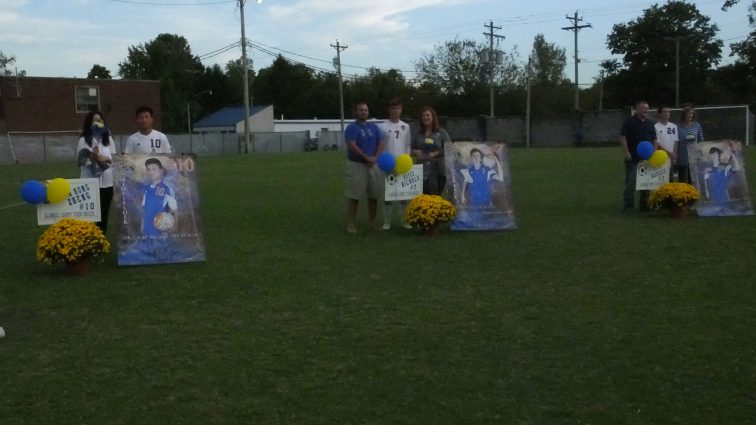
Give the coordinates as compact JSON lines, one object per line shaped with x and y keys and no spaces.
{"x":396,"y":137}
{"x":666,"y":135}
{"x":155,"y":142}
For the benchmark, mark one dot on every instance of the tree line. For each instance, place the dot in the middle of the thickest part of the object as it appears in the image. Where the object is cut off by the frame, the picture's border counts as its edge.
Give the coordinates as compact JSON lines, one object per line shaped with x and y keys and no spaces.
{"x":455,"y":77}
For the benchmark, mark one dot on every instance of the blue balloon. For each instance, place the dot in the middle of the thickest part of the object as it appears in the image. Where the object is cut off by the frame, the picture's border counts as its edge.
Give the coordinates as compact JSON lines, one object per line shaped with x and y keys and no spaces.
{"x":386,"y":162}
{"x":34,"y":192}
{"x":644,"y":150}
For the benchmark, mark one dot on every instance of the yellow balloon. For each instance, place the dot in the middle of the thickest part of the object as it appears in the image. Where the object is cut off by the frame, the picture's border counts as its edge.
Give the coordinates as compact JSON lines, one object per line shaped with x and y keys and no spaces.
{"x":57,"y":190}
{"x":403,"y":163}
{"x":658,"y":158}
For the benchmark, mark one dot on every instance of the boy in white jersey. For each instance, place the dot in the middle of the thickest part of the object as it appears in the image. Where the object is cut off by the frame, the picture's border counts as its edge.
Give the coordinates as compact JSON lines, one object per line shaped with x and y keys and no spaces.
{"x":396,"y":141}
{"x":666,"y":133}
{"x":147,"y":140}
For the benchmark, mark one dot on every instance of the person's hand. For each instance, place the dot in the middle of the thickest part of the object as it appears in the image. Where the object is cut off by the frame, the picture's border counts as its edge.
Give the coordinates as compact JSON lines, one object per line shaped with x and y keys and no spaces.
{"x":370,"y":160}
{"x":628,"y":157}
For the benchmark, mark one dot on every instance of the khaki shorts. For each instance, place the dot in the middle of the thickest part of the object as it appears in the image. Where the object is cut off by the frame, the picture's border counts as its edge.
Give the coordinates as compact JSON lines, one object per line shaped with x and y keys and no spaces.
{"x":363,"y":181}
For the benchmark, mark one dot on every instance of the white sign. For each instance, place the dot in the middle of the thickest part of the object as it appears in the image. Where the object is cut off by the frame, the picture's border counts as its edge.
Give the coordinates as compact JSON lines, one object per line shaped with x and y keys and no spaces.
{"x":400,"y":187}
{"x":650,"y":178}
{"x":83,"y":203}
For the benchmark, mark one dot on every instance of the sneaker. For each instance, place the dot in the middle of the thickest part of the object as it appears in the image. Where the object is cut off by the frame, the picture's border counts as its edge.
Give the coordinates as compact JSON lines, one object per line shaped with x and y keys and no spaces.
{"x":406,"y":226}
{"x":386,"y":226}
{"x":351,"y":228}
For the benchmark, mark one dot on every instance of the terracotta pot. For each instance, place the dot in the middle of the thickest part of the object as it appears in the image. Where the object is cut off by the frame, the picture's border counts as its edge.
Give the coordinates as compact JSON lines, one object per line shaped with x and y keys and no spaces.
{"x":679,"y":212}
{"x":433,"y":230}
{"x":82,"y":267}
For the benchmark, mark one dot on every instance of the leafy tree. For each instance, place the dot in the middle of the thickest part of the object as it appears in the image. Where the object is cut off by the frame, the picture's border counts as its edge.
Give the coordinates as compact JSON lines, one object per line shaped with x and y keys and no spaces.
{"x":167,"y":58}
{"x":458,"y":71}
{"x":99,"y":71}
{"x":648,"y":48}
{"x":283,"y":85}
{"x":5,"y":62}
{"x":546,"y":63}
{"x":235,"y":76}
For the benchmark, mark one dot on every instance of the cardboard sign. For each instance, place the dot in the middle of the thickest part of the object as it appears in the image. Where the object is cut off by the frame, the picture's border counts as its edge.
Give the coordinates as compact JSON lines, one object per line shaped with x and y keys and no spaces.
{"x":650,"y":178}
{"x":404,"y":186}
{"x":83,"y":203}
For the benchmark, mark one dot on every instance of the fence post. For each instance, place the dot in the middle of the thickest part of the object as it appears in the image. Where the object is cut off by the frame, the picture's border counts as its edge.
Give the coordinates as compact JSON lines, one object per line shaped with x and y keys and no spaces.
{"x":44,"y":148}
{"x":280,"y":143}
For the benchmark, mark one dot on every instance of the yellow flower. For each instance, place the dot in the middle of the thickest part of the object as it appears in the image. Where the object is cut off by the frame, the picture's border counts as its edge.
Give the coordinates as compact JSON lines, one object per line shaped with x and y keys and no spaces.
{"x":70,"y":240}
{"x":673,"y":195}
{"x":426,"y":210}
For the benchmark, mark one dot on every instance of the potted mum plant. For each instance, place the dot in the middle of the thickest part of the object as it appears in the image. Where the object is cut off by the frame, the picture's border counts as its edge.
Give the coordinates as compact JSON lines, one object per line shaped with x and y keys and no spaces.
{"x":73,"y":242}
{"x":676,"y":197}
{"x":428,"y":212}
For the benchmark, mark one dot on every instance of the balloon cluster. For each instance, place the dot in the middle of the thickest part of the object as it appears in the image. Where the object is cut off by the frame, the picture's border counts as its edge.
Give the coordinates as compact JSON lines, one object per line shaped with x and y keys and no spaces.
{"x":645,"y":150}
{"x":399,"y":165}
{"x":36,"y":192}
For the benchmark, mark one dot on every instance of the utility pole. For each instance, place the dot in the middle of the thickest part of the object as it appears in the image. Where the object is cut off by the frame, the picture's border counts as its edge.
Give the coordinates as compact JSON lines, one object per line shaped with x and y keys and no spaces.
{"x":575,"y":28}
{"x":491,"y":59}
{"x":527,"y":107}
{"x":337,"y":62}
{"x":245,"y":64}
{"x":676,"y":39}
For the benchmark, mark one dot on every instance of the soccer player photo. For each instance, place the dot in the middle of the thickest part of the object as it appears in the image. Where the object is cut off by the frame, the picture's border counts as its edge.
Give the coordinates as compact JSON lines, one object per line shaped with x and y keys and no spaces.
{"x":718,"y":172}
{"x":480,"y":183}
{"x":158,"y":202}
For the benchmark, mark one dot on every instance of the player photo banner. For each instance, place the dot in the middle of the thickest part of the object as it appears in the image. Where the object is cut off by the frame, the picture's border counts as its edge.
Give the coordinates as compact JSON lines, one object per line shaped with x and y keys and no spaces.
{"x":158,"y":209}
{"x":478,"y":175}
{"x":717,"y":169}
{"x":650,"y":178}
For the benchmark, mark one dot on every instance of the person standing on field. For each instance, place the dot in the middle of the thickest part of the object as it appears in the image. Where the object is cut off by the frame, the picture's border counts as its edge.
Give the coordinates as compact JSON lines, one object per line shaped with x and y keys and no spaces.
{"x":666,"y":134}
{"x":147,"y":140}
{"x":636,"y":129}
{"x":396,"y":140}
{"x":364,"y":142}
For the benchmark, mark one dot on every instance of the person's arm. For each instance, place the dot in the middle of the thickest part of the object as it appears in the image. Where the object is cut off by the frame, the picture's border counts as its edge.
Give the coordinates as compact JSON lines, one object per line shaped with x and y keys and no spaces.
{"x":170,"y":199}
{"x":416,"y":151}
{"x":168,"y":148}
{"x":381,"y":143}
{"x":623,"y":144}
{"x":352,"y":146}
{"x":499,"y":173}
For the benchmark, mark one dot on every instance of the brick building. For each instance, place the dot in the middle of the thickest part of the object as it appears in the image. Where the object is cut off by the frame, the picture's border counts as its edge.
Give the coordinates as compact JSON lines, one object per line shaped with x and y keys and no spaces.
{"x":59,"y":104}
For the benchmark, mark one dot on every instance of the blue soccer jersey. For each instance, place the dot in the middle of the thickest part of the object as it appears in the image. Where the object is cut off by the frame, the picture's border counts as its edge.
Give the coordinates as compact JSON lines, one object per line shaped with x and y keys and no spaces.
{"x":154,"y":202}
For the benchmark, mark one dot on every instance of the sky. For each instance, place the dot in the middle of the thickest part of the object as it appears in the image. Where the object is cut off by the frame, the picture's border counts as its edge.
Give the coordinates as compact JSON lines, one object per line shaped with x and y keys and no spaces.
{"x":64,"y":38}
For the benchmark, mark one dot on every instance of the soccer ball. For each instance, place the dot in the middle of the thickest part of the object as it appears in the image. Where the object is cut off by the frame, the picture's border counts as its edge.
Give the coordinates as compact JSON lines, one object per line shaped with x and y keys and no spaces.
{"x":164,"y":221}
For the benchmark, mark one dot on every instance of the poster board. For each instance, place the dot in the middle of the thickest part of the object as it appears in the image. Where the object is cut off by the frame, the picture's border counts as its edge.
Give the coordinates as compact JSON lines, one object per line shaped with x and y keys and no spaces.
{"x":159,"y":219}
{"x":83,"y":203}
{"x":480,"y":181}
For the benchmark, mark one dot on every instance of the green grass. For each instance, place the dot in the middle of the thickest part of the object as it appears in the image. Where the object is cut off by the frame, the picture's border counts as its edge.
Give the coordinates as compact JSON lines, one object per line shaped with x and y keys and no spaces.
{"x":583,"y":315}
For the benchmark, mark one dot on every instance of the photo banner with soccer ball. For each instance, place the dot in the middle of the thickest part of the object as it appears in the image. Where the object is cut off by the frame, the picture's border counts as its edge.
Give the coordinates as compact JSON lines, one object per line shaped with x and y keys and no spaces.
{"x":479,"y":178}
{"x":158,"y":209}
{"x":717,"y":169}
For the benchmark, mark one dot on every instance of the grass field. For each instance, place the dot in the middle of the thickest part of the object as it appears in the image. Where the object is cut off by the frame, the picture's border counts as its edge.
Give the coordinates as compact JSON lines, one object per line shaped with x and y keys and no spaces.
{"x":583,"y":315}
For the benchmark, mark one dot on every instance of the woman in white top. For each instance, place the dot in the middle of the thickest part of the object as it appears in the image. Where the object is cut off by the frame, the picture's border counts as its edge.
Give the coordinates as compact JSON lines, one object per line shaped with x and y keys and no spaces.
{"x":95,"y":155}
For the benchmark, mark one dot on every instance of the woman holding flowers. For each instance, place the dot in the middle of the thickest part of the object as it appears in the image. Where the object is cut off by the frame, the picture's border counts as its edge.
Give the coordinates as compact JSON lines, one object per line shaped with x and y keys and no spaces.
{"x":428,"y":149}
{"x":95,"y":154}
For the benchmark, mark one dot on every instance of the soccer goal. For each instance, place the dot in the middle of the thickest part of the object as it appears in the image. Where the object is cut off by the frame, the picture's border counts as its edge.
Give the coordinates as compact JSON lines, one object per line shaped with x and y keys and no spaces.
{"x":735,"y":122}
{"x":26,"y":147}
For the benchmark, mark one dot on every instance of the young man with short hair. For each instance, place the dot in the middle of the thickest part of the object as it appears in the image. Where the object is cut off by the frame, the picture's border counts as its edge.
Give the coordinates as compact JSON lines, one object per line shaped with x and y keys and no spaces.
{"x":147,"y":140}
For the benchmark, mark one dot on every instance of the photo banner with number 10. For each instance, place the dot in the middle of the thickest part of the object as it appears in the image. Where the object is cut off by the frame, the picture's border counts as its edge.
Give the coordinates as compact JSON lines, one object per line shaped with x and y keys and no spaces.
{"x":158,"y":218}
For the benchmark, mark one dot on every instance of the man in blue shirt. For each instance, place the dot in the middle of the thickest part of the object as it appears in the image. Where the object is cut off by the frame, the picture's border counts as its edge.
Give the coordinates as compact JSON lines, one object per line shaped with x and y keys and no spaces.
{"x":636,"y":129}
{"x":364,"y":142}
